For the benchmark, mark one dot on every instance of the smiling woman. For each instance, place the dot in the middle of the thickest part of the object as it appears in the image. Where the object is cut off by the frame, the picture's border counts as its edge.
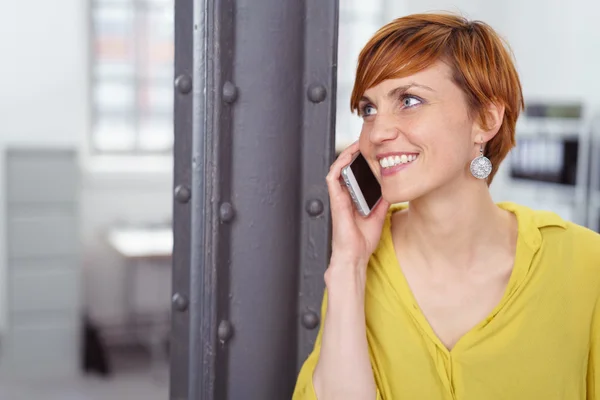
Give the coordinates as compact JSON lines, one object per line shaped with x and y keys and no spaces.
{"x":473,"y":56}
{"x":451,"y":296}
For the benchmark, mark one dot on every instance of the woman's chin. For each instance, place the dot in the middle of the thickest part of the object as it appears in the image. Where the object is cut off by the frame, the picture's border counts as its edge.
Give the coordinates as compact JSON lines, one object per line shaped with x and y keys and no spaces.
{"x":398,"y":196}
{"x":396,"y":199}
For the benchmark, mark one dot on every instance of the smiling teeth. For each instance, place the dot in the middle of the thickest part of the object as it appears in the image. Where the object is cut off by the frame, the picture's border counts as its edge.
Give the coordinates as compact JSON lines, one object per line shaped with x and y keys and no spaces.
{"x":392,"y":161}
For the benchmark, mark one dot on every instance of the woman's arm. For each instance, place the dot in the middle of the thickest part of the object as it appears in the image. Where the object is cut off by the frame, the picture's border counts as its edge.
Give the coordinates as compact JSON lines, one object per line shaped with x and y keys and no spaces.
{"x":344,"y":368}
{"x":339,"y":366}
{"x":304,"y":385}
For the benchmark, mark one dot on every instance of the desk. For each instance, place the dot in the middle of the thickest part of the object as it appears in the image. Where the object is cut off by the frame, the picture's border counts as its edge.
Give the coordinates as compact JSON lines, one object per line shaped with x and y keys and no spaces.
{"x":142,"y":243}
{"x":144,"y":248}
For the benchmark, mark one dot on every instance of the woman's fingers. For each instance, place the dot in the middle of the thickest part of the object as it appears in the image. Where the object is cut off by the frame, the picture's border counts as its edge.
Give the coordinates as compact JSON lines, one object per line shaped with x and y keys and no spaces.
{"x":334,"y":175}
{"x":352,"y":149}
{"x":338,"y":194}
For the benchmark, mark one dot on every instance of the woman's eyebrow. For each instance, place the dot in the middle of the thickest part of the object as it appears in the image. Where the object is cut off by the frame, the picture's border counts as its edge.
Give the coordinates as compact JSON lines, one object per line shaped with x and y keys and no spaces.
{"x":396,"y":92}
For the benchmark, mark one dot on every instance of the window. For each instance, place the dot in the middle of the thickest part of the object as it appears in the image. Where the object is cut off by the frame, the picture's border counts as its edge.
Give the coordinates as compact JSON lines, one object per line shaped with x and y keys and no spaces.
{"x":132,"y":76}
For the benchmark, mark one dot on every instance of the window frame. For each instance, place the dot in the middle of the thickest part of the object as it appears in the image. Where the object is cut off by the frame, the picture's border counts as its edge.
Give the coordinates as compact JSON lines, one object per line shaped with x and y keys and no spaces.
{"x":137,"y":114}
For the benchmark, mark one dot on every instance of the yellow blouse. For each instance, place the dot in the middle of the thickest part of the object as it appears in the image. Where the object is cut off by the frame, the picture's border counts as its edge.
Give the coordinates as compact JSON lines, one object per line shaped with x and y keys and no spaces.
{"x":541,"y":342}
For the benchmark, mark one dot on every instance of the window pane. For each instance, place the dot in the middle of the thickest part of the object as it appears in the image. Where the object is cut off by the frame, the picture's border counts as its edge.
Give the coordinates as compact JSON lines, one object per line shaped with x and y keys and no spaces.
{"x":114,"y":97}
{"x":114,"y":134}
{"x":114,"y":47}
{"x":114,"y":70}
{"x":159,"y":47}
{"x":156,"y":134}
{"x":157,"y":99}
{"x":133,"y":57}
{"x":113,"y":22}
{"x":362,"y":10}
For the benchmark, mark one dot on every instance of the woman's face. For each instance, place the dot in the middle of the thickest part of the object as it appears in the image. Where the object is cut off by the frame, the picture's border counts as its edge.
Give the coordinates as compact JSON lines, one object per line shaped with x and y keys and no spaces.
{"x":417,"y":134}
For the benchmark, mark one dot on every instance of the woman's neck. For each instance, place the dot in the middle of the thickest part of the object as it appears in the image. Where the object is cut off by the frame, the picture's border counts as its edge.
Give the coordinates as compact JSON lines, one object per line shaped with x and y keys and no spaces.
{"x":456,"y":226}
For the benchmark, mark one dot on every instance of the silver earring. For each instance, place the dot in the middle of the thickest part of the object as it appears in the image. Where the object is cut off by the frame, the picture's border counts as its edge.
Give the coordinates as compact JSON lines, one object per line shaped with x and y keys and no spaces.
{"x":481,"y":166}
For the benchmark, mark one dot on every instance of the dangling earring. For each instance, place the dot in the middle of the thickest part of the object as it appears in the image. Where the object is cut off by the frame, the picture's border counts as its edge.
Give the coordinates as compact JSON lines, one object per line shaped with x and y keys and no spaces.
{"x":481,"y":166}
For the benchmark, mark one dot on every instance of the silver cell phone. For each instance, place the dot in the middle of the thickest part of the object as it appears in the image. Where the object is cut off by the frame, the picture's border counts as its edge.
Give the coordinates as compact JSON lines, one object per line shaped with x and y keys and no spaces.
{"x":362,"y":184}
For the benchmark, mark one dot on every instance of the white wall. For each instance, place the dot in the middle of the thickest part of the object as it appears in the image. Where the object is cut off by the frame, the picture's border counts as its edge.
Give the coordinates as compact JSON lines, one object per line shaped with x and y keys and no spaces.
{"x":44,"y":101}
{"x":43,"y":78}
{"x":556,"y":45}
{"x":42,"y":84}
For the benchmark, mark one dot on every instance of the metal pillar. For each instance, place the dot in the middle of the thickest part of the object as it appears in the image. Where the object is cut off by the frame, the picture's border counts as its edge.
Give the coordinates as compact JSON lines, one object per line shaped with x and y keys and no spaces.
{"x":248,"y":269}
{"x":179,"y":341}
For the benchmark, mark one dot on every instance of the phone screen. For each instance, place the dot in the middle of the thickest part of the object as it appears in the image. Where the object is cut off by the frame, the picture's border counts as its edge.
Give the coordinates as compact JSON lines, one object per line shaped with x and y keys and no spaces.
{"x":366,"y":180}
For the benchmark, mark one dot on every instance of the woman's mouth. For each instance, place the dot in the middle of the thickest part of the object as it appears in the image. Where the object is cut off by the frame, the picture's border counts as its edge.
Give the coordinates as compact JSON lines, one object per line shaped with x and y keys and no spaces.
{"x":394,"y":163}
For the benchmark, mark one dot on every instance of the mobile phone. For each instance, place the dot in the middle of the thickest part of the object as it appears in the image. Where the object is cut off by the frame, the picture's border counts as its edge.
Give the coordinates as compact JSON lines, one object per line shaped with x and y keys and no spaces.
{"x":362,"y":184}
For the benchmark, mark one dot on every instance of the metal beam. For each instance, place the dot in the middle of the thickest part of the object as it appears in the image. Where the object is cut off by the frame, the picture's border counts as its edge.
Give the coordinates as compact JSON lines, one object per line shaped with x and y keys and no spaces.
{"x":262,"y":142}
{"x":182,"y":180}
{"x":318,"y":144}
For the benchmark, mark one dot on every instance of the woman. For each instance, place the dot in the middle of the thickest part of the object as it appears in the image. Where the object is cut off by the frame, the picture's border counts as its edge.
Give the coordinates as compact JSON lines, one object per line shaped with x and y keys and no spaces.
{"x":452,"y":296}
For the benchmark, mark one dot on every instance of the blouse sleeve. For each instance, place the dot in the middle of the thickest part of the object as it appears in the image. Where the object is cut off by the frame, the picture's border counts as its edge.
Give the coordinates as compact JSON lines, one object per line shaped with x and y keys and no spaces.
{"x":304,"y":385}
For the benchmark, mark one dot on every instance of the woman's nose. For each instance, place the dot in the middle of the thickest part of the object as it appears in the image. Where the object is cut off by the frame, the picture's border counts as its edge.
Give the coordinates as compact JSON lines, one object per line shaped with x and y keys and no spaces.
{"x":384,"y":128}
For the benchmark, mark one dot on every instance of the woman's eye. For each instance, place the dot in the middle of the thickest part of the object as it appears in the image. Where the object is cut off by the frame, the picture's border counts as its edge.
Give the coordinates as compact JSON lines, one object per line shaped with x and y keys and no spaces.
{"x":369,"y":110}
{"x":410,"y":101}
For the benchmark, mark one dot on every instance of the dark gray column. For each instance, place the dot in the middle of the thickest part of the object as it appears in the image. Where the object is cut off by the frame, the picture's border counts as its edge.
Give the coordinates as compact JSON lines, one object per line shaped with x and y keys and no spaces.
{"x":318,"y":143}
{"x":257,"y":246}
{"x":179,"y":343}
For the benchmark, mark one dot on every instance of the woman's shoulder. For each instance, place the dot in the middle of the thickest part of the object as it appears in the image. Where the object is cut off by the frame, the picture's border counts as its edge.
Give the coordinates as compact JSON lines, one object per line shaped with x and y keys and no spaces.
{"x":552,"y":226}
{"x":581,"y":241}
{"x":560,"y":239}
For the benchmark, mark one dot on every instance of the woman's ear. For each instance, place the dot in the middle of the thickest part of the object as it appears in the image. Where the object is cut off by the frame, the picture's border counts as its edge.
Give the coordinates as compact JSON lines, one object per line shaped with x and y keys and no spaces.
{"x":489,"y":123}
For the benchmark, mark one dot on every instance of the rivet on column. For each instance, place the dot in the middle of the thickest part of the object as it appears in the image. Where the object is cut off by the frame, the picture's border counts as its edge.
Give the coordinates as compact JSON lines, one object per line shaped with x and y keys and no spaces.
{"x":314,"y":207}
{"x":182,"y":193}
{"x":316,"y":93}
{"x":310,"y":320}
{"x":226,"y":212}
{"x":229,"y":92}
{"x":183,"y":83}
{"x":180,"y":302}
{"x":225,"y":331}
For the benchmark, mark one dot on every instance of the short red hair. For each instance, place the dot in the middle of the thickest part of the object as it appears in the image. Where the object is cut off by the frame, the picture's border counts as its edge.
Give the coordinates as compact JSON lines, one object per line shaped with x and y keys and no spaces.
{"x":482,"y":65}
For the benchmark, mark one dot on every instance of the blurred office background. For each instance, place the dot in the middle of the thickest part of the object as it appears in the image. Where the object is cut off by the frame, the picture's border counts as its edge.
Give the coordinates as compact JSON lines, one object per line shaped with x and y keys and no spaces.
{"x":86,"y":98}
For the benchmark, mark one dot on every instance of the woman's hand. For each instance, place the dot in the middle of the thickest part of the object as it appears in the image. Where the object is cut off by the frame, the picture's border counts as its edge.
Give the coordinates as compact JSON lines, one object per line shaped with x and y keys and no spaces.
{"x":354,"y":237}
